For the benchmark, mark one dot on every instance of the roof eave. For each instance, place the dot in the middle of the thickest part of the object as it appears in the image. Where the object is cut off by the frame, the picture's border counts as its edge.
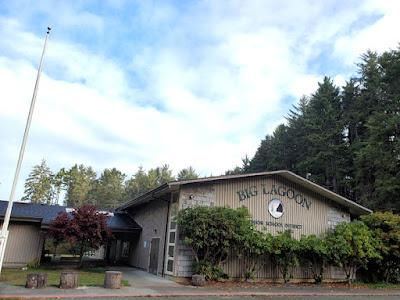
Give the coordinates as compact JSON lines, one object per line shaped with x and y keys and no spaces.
{"x":354,"y":208}
{"x":146,"y":197}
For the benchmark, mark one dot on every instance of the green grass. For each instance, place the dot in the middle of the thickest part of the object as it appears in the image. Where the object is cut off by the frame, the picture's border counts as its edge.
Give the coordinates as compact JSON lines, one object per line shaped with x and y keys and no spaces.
{"x":87,"y":277}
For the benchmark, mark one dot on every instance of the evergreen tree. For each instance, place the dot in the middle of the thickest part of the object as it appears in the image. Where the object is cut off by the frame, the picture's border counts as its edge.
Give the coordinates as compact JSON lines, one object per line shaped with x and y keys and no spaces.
{"x":345,"y":139}
{"x":39,"y":185}
{"x":143,"y":181}
{"x":108,"y":191}
{"x":79,"y":181}
{"x":187,"y":173}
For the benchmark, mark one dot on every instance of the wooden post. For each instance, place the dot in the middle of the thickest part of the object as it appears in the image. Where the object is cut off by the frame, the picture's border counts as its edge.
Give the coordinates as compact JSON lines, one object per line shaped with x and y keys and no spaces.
{"x":36,"y":280}
{"x":69,"y":280}
{"x":112,"y":280}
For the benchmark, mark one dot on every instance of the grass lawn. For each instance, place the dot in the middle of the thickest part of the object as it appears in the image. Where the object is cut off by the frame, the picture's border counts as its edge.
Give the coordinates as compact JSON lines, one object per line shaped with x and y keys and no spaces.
{"x":87,"y":277}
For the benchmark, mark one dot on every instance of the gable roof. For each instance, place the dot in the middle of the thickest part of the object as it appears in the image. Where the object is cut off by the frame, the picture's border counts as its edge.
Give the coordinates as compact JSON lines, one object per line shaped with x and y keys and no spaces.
{"x":45,"y":213}
{"x":354,"y":208}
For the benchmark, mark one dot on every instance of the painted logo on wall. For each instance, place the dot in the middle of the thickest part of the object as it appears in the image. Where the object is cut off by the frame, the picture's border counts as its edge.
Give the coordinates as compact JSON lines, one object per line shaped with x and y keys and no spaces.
{"x":275,"y":208}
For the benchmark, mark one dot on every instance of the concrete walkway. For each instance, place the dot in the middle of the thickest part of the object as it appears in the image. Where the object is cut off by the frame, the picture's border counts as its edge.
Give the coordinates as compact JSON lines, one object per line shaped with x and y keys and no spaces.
{"x":144,"y":284}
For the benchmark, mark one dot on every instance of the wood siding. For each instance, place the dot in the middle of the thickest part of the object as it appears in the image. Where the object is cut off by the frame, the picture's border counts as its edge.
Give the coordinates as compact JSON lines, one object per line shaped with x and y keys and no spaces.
{"x":152,"y":217}
{"x":307,"y":214}
{"x":24,"y":245}
{"x":313,"y":220}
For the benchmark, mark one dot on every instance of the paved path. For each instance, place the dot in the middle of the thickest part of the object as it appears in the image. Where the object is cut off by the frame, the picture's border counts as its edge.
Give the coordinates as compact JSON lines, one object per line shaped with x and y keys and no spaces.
{"x":144,"y":284}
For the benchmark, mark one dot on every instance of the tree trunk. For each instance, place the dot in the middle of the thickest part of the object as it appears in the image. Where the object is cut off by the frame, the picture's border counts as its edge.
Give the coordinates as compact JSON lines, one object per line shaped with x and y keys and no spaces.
{"x":69,"y":280}
{"x":112,"y":280}
{"x":81,"y":252}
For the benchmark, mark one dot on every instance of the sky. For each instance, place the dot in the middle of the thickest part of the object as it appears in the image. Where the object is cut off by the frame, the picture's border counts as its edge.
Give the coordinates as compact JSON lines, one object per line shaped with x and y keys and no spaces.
{"x":186,"y":83}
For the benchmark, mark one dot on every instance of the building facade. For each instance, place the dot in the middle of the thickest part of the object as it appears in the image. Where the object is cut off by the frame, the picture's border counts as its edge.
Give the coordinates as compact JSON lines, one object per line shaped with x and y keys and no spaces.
{"x":146,"y":235}
{"x":277,"y":201}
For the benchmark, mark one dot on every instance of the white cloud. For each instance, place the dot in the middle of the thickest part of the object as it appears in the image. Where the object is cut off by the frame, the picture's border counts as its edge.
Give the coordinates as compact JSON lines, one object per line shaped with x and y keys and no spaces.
{"x":380,"y":36}
{"x":209,"y":88}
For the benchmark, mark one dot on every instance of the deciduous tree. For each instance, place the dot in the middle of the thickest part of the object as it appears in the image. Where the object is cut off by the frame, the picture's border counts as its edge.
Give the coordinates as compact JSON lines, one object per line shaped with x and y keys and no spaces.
{"x":84,"y":227}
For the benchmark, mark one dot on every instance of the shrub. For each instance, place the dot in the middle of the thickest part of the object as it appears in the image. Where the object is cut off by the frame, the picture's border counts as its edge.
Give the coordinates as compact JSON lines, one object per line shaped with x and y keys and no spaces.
{"x":212,"y":233}
{"x":314,"y":254}
{"x":385,"y":227}
{"x":252,"y":247}
{"x":285,"y":254}
{"x":210,"y":271}
{"x":352,"y":247}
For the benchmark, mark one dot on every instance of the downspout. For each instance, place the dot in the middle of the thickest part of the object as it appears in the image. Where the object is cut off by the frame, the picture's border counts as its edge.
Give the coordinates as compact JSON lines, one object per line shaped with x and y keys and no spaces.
{"x":165,"y":237}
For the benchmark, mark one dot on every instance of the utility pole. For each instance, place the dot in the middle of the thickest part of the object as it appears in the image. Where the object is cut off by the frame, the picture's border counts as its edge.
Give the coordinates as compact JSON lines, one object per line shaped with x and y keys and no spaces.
{"x":4,"y":230}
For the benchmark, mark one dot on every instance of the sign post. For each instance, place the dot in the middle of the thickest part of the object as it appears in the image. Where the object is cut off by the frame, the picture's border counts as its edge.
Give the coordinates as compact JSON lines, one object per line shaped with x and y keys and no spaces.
{"x":4,"y":230}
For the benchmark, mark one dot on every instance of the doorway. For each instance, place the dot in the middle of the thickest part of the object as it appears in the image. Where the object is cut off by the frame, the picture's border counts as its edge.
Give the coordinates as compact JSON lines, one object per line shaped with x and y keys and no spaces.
{"x":154,"y":250}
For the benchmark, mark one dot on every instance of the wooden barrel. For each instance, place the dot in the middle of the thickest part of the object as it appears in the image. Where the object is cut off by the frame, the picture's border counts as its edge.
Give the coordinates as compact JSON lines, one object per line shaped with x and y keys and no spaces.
{"x":69,"y":280}
{"x":112,"y":280}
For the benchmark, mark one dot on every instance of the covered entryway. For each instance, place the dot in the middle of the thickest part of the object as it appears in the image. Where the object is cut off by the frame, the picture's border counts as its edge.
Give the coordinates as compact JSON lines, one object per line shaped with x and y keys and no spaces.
{"x":125,"y":232}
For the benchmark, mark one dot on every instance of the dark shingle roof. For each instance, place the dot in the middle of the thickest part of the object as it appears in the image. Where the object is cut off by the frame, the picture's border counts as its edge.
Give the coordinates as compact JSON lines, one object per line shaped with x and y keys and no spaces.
{"x":46,"y":213}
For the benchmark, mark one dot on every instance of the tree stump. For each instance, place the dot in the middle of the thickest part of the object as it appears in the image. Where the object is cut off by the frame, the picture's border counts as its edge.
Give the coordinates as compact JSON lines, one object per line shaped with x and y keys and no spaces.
{"x":36,"y":280}
{"x":112,"y":280}
{"x":31,"y":281}
{"x":198,"y":280}
{"x":69,"y":280}
{"x":41,"y":280}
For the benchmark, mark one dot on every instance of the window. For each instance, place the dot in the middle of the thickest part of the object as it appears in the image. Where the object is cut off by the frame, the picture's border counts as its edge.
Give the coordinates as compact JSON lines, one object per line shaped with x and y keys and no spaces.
{"x":125,"y":249}
{"x":173,"y":211}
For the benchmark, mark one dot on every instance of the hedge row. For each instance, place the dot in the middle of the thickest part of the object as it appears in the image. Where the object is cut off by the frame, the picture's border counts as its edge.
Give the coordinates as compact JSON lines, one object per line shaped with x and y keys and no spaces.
{"x":215,"y":233}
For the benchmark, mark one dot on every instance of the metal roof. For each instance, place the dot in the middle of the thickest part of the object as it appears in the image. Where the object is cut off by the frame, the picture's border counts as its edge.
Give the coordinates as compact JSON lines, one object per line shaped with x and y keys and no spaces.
{"x":44,"y":214}
{"x":353,"y":207}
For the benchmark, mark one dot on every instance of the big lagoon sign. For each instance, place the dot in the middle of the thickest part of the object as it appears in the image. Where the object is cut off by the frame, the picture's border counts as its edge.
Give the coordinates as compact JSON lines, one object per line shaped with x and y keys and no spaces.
{"x":279,"y":190}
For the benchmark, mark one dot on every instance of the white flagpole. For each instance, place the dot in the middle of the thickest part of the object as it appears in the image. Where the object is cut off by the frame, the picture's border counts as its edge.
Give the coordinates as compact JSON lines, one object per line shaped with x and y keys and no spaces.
{"x":4,"y":230}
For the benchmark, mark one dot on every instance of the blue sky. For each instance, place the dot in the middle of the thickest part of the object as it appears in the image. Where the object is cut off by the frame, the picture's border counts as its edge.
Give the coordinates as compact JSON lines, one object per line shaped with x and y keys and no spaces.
{"x":200,"y":83}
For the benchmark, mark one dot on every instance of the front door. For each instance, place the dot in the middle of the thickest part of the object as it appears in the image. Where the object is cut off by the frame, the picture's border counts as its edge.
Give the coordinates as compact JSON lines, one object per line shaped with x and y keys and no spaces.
{"x":154,"y":247}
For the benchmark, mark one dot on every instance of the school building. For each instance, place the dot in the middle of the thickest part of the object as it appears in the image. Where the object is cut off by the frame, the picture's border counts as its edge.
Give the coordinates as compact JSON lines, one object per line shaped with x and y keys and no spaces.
{"x":146,"y":234}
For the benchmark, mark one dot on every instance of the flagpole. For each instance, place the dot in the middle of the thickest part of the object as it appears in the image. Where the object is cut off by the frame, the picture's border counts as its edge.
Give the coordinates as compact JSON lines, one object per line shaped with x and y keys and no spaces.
{"x":4,"y":230}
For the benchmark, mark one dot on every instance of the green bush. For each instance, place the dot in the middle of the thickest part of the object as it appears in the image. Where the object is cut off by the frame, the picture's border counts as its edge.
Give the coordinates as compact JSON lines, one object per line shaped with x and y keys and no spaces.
{"x":385,"y":227}
{"x":352,"y":247}
{"x":252,"y":248}
{"x":285,"y":254}
{"x":314,"y":254}
{"x":213,"y":233}
{"x":210,"y":271}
